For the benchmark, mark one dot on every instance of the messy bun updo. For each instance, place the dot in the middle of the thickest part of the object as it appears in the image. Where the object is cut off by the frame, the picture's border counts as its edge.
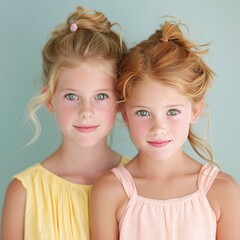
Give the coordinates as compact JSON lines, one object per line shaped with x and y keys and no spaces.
{"x":85,"y":35}
{"x":170,"y":58}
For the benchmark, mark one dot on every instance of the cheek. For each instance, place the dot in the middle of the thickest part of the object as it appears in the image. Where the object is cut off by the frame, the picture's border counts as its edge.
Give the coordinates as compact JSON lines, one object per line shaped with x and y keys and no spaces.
{"x":138,"y":128}
{"x":64,"y":112}
{"x":180,"y":128}
{"x":108,"y":110}
{"x":111,"y":108}
{"x":109,"y":117}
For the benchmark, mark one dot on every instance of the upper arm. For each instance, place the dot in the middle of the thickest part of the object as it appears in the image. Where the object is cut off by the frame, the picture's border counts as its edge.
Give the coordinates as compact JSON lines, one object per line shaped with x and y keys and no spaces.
{"x":12,"y":223}
{"x":228,"y":193}
{"x":104,"y":201}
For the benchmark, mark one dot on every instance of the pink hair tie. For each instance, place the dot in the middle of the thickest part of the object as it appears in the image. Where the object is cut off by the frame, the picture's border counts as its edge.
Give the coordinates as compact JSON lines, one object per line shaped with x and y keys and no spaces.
{"x":73,"y":27}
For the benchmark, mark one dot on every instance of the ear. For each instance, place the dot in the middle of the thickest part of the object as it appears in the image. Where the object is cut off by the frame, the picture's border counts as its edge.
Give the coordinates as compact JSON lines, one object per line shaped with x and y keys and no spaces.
{"x":124,"y":114}
{"x":196,"y":111}
{"x":48,"y":104}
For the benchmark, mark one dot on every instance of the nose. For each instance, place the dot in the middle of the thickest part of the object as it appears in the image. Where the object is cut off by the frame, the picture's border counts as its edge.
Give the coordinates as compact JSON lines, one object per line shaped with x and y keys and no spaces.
{"x":158,"y":128}
{"x":86,"y":110}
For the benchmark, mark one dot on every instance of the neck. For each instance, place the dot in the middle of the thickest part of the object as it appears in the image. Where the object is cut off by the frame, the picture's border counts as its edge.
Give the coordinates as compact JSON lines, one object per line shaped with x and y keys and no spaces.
{"x":142,"y":165}
{"x":70,"y":157}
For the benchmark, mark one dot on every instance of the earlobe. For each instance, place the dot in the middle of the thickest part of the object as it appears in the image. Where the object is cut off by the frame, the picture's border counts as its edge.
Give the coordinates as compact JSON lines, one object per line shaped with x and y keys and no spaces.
{"x":124,"y":115}
{"x":49,"y":106}
{"x":196,"y":111}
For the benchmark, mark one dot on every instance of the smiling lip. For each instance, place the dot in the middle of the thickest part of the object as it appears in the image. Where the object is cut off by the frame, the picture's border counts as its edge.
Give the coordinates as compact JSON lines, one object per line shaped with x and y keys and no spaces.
{"x":159,"y":143}
{"x":86,"y":129}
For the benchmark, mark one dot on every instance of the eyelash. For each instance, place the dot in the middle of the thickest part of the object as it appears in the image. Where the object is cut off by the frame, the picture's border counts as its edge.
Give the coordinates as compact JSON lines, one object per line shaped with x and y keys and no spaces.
{"x":173,"y":112}
{"x":170,"y":112}
{"x":140,"y":113}
{"x":102,"y":95}
{"x":72,"y":96}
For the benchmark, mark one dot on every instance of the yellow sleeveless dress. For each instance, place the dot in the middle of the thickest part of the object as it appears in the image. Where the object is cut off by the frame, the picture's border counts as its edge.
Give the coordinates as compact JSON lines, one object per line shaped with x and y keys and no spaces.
{"x":56,"y":209}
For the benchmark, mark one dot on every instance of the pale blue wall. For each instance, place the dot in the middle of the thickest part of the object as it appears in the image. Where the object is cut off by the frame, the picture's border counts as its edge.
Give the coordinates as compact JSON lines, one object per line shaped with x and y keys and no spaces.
{"x":25,"y":26}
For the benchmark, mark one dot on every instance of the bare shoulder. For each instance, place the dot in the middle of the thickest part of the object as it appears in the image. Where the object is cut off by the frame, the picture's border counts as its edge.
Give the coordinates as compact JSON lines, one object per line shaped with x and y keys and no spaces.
{"x":225,"y":198}
{"x":224,"y":194}
{"x":107,"y":185}
{"x":225,"y":182}
{"x":15,"y":196}
{"x":106,"y":199}
{"x":15,"y":190}
{"x":13,"y":211}
{"x":225,"y":187}
{"x":109,"y":192}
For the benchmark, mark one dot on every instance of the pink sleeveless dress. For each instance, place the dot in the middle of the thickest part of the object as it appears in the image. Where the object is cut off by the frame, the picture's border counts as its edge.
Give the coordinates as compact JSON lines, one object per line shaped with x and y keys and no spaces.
{"x":187,"y":218}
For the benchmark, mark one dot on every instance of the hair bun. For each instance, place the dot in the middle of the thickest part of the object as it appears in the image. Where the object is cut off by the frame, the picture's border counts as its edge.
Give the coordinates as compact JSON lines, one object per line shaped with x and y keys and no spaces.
{"x":89,"y":20}
{"x":170,"y":32}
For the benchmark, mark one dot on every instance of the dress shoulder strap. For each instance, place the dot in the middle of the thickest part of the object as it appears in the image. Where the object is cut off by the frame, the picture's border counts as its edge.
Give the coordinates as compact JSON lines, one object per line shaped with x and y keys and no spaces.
{"x":207,"y":176}
{"x":126,"y":180}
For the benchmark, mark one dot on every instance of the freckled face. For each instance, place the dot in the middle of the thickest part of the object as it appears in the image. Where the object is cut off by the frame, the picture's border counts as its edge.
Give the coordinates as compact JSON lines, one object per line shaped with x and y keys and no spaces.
{"x":85,"y":103}
{"x":158,"y":117}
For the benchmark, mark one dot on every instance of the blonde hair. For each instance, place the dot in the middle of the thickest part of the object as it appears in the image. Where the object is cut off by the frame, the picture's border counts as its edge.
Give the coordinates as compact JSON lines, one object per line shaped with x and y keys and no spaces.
{"x":91,"y":38}
{"x":170,"y":58}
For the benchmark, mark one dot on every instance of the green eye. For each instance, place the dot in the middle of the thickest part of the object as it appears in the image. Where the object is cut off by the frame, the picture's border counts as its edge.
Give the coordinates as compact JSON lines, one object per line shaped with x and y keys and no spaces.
{"x":143,"y":113}
{"x":173,"y":112}
{"x":71,"y":96}
{"x":102,"y":96}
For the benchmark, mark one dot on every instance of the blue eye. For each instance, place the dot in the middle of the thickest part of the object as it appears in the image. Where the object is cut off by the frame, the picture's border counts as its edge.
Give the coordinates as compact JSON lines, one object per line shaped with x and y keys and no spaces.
{"x":173,"y":112}
{"x":143,"y":113}
{"x":101,"y":96}
{"x":71,"y":96}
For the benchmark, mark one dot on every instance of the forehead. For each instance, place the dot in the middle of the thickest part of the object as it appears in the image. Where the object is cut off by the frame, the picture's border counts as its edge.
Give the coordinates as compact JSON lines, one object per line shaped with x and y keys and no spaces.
{"x":149,"y":88}
{"x":90,"y":74}
{"x":100,"y":64}
{"x":105,"y":66}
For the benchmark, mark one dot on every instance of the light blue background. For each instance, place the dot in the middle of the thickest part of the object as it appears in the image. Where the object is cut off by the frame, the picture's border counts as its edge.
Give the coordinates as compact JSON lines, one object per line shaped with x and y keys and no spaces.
{"x":26,"y":25}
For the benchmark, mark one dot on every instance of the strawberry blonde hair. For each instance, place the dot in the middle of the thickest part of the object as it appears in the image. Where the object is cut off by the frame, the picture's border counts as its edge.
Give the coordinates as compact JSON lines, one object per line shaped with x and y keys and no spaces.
{"x":170,"y":58}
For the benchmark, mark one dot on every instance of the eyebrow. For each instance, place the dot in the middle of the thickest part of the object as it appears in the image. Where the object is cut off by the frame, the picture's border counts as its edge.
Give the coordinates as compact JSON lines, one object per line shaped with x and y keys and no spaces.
{"x":167,"y":106}
{"x":175,"y":105}
{"x":106,"y":89}
{"x":97,"y":90}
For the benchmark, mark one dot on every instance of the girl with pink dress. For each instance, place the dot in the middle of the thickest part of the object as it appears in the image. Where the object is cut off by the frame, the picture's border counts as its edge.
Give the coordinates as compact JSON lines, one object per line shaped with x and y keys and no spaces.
{"x":163,"y":193}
